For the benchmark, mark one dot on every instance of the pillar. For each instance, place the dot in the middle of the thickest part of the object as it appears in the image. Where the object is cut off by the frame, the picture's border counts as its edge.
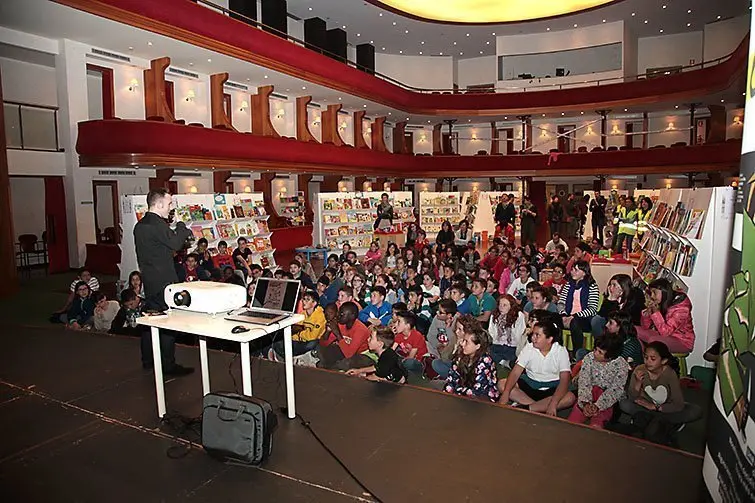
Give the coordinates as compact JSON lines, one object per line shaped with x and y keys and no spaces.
{"x":645,"y":126}
{"x":8,"y":272}
{"x":692,"y":124}
{"x":603,"y":126}
{"x":220,"y":181}
{"x":717,"y":129}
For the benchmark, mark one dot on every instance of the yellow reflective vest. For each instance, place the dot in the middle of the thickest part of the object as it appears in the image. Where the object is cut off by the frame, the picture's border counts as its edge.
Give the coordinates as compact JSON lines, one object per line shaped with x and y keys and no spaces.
{"x":616,"y":212}
{"x":642,"y":221}
{"x":628,"y":222}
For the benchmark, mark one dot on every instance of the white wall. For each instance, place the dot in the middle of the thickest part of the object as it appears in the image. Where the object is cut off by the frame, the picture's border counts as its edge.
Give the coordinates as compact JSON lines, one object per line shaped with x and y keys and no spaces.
{"x":241,"y":119}
{"x":427,"y":72}
{"x":36,"y":163}
{"x":470,"y":146}
{"x":423,"y":140}
{"x":94,"y":95}
{"x":198,"y":109}
{"x":588,"y":36}
{"x":28,"y":203}
{"x":668,"y":137}
{"x":202,"y":181}
{"x":722,"y":37}
{"x":28,"y":83}
{"x":476,"y":71}
{"x":669,"y":50}
{"x":581,"y":61}
{"x":129,"y":103}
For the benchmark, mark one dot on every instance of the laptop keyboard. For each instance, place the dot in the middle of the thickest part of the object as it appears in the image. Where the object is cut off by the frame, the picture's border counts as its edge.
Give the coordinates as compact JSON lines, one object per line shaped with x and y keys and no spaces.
{"x":258,"y":314}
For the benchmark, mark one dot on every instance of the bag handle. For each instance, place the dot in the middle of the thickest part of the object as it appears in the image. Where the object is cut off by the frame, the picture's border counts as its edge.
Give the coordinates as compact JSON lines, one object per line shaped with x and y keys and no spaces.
{"x":221,"y":405}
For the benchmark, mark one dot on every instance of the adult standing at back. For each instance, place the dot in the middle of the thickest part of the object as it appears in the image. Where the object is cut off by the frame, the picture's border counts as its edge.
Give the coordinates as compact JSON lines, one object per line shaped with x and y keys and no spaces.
{"x":555,"y":215}
{"x":598,"y":210}
{"x":505,"y":213}
{"x":155,"y":244}
{"x":529,"y":221}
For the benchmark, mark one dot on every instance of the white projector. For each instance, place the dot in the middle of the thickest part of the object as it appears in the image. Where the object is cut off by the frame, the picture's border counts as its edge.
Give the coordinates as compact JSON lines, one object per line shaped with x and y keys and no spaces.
{"x":205,"y":297}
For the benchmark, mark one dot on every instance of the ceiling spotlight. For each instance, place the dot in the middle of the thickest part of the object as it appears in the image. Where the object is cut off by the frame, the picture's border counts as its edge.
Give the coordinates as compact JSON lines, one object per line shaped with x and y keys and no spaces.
{"x":677,"y":106}
{"x":372,"y":41}
{"x":718,"y":17}
{"x":468,"y":33}
{"x":248,"y":80}
{"x":625,"y":109}
{"x":722,"y":101}
{"x":191,"y":64}
{"x":581,"y":113}
{"x":548,"y":29}
{"x":543,"y":115}
{"x":562,"y":114}
{"x":575,"y":25}
{"x":344,"y":27}
{"x":428,"y":122}
{"x":265,"y":77}
{"x":381,"y":14}
{"x":130,"y":48}
{"x":406,"y":31}
{"x":359,"y":34}
{"x":401,"y":52}
{"x":149,"y":43}
{"x":420,"y":53}
{"x":505,"y":118}
{"x":454,"y":43}
{"x":646,"y":21}
{"x":689,"y":11}
{"x":689,"y":24}
{"x":364,"y":106}
{"x":310,"y":8}
{"x":461,"y":54}
{"x":664,"y":6}
{"x":394,"y":23}
{"x":481,"y":52}
{"x":209,"y":60}
{"x":488,"y":42}
{"x":660,"y":31}
{"x":389,"y":113}
{"x":441,"y":54}
{"x":422,"y":43}
{"x":382,"y":48}
{"x":304,"y":88}
{"x":494,"y":34}
{"x":604,"y":20}
{"x":339,"y":98}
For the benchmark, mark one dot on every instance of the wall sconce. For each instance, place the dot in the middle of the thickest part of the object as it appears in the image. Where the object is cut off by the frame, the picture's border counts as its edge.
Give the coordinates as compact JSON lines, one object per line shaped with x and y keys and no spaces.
{"x":668,"y":185}
{"x":344,"y":189}
{"x":589,"y":132}
{"x":247,"y":189}
{"x":244,"y":106}
{"x":614,"y":187}
{"x":737,"y":121}
{"x":386,"y":186}
{"x":368,"y":130}
{"x":283,"y":190}
{"x":670,"y":126}
{"x":367,"y":186}
{"x":316,"y":121}
{"x":342,"y":126}
{"x":422,"y":139}
{"x":133,"y":85}
{"x":280,"y":113}
{"x":735,"y":183}
{"x":193,"y":189}
{"x":544,"y":134}
{"x":474,"y":136}
{"x":190,"y":95}
{"x":615,"y":129}
{"x":519,"y":134}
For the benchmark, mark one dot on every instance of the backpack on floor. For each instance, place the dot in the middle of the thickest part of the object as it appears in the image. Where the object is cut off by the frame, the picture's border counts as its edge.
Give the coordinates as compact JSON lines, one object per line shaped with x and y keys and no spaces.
{"x":237,"y":428}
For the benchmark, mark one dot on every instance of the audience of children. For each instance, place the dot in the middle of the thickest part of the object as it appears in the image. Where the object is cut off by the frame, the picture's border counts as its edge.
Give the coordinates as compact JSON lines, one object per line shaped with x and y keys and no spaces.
{"x":667,"y":318}
{"x":506,"y":329}
{"x":388,"y":366}
{"x":578,"y":302}
{"x":473,"y":372}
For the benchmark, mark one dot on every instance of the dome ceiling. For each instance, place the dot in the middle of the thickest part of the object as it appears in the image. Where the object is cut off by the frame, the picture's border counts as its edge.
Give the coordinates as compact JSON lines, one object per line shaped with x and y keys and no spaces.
{"x":487,"y":11}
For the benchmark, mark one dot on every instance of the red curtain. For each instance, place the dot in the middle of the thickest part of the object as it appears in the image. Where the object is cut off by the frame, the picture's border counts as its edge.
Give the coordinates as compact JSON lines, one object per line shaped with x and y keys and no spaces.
{"x":56,"y":225}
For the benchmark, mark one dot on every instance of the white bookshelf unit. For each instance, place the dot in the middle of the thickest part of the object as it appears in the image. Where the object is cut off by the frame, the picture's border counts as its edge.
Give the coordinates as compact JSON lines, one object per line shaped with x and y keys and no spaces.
{"x":437,"y":207}
{"x":350,"y":216}
{"x":217,"y":217}
{"x":684,"y":227}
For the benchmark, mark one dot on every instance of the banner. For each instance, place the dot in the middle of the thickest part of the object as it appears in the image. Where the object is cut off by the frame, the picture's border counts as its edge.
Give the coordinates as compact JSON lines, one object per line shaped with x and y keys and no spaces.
{"x":729,"y":466}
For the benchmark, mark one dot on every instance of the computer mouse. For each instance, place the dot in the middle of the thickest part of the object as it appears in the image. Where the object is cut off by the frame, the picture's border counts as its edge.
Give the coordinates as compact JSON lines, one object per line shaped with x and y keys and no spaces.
{"x":239,"y":329}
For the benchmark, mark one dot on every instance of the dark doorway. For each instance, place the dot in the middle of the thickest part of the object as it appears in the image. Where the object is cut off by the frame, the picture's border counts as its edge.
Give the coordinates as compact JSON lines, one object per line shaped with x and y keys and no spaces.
{"x":104,"y":77}
{"x":106,"y":217}
{"x":170,"y":97}
{"x":566,"y":141}
{"x":409,"y":142}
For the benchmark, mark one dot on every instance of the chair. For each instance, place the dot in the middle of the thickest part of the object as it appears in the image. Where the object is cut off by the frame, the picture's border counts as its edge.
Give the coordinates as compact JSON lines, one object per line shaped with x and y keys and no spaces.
{"x":28,"y":248}
{"x":682,"y":357}
{"x":597,"y":149}
{"x":612,"y":148}
{"x":588,"y":343}
{"x":582,"y":149}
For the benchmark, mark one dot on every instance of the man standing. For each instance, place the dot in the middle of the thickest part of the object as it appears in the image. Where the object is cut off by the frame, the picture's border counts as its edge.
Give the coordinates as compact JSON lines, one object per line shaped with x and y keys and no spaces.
{"x":555,"y":215}
{"x":155,"y":244}
{"x":572,"y":217}
{"x":505,"y":213}
{"x":598,"y":210}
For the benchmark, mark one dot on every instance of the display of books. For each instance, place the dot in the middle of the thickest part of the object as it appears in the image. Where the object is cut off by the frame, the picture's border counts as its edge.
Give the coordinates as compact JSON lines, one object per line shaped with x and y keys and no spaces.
{"x":293,"y":209}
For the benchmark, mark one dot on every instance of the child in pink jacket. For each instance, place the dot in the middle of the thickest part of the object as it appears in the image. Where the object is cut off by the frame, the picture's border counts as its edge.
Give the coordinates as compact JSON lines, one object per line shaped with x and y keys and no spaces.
{"x":668,"y":318}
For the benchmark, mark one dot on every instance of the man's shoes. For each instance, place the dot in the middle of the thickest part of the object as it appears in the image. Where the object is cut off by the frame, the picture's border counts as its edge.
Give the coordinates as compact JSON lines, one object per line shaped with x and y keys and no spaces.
{"x":178,"y":371}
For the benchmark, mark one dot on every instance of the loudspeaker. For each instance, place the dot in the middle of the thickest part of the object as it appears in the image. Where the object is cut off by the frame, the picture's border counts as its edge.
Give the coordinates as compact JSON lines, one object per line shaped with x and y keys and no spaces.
{"x":560,"y":72}
{"x":275,"y":17}
{"x":366,"y":58}
{"x":315,"y":34}
{"x":336,"y":44}
{"x":243,"y":10}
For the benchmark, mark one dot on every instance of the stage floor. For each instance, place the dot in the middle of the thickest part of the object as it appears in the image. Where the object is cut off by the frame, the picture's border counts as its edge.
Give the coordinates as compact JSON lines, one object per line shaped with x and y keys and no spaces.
{"x":80,"y":424}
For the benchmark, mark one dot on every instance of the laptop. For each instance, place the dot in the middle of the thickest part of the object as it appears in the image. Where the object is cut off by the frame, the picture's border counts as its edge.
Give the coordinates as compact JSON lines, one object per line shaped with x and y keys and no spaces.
{"x":274,"y":300}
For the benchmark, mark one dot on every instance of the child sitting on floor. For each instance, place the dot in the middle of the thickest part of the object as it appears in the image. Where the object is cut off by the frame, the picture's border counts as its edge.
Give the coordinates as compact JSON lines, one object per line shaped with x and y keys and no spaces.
{"x":473,"y":371}
{"x":388,"y":366}
{"x":105,"y":311}
{"x":125,"y":320}
{"x":409,"y":343}
{"x":540,"y":379}
{"x":601,"y":382}
{"x":79,"y":316}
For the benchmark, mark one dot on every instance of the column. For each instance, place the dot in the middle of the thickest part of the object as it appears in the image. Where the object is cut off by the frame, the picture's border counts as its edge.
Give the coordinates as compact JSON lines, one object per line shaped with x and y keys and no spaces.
{"x":70,"y":67}
{"x":603,"y":126}
{"x":8,"y":273}
{"x":692,"y":124}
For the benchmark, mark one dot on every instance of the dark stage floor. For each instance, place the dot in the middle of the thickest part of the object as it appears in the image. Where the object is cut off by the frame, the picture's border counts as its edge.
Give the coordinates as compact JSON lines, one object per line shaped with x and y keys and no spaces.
{"x":79,"y":421}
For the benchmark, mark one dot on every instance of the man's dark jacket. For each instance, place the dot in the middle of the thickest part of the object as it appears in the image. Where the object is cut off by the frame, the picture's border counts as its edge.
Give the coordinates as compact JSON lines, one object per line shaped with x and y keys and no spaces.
{"x":155,"y":243}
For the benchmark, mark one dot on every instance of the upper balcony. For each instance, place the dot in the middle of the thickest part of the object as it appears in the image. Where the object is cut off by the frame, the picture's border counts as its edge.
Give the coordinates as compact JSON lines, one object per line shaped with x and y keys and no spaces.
{"x":217,"y":31}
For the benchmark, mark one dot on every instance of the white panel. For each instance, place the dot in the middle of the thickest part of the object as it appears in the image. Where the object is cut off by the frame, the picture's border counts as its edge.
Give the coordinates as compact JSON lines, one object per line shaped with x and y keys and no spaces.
{"x":28,"y":83}
{"x":476,"y":71}
{"x":588,"y":36}
{"x":426,"y":72}
{"x":722,"y":37}
{"x":34,"y":163}
{"x":669,"y":50}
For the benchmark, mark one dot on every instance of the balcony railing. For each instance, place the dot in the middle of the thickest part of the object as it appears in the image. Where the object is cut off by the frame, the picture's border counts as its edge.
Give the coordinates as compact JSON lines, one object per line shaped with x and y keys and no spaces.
{"x":31,"y":127}
{"x":528,"y":85}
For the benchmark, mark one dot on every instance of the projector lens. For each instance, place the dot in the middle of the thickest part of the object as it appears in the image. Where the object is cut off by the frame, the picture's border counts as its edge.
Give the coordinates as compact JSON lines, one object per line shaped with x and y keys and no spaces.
{"x":182,"y":298}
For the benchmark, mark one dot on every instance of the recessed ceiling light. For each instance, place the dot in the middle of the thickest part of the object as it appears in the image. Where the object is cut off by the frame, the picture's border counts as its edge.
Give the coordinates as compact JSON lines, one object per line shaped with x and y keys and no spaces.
{"x":394,"y":23}
{"x":422,"y":43}
{"x":543,"y":115}
{"x":372,"y":42}
{"x":130,"y":48}
{"x":382,"y":48}
{"x":660,"y":31}
{"x":677,"y":106}
{"x":428,"y":122}
{"x":481,"y":52}
{"x":488,"y":42}
{"x":575,"y":25}
{"x":646,"y":21}
{"x":191,"y":64}
{"x":454,"y":43}
{"x":562,"y":114}
{"x":494,"y":34}
{"x":310,"y":8}
{"x":689,"y":24}
{"x":209,"y":60}
{"x":339,"y":98}
{"x":248,"y":80}
{"x":364,"y":106}
{"x":581,"y":113}
{"x":505,"y":118}
{"x":288,"y":90}
{"x":461,"y":54}
{"x":468,"y":33}
{"x":406,"y":31}
{"x":664,"y":6}
{"x":625,"y":109}
{"x":548,"y":29}
{"x":359,"y":34}
{"x":604,"y":20}
{"x":722,"y":101}
{"x":718,"y":17}
{"x":441,"y":54}
{"x":633,"y":14}
{"x":265,"y":77}
{"x":149,"y":43}
{"x":407,"y":118}
{"x":420,"y":53}
{"x":381,"y":14}
{"x":469,"y":120}
{"x":689,"y":11}
{"x":304,"y":88}
{"x":344,"y":27}
{"x":401,"y":52}
{"x":389,"y":113}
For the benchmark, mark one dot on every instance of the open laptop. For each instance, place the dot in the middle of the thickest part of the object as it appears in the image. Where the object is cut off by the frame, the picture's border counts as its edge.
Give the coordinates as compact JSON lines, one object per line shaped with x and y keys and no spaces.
{"x":274,"y":300}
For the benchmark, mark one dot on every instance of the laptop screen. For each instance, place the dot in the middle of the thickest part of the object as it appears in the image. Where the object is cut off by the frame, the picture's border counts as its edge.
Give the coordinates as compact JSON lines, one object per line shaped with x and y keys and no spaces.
{"x":276,"y":294}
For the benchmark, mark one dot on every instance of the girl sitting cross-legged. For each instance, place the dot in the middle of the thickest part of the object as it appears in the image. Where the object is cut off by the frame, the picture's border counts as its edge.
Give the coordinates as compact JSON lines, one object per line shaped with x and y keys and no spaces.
{"x":540,"y":379}
{"x":473,"y":371}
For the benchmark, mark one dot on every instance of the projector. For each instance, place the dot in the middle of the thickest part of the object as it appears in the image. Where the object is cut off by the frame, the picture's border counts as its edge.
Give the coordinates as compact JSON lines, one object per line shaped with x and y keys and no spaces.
{"x":205,"y":297}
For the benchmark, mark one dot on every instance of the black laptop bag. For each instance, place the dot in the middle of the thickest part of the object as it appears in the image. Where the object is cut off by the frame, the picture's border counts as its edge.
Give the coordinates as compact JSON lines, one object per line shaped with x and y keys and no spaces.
{"x":237,"y":428}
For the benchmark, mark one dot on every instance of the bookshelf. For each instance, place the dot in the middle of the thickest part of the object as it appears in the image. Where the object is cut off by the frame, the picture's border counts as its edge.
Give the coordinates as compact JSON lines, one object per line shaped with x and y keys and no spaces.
{"x":686,"y":231}
{"x":293,"y":209}
{"x":435,"y":208}
{"x":213,"y":216}
{"x":350,"y":216}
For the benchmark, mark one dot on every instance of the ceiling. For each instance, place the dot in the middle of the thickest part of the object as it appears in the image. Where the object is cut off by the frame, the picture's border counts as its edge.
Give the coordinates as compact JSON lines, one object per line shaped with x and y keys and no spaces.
{"x":56,"y":21}
{"x":397,"y":34}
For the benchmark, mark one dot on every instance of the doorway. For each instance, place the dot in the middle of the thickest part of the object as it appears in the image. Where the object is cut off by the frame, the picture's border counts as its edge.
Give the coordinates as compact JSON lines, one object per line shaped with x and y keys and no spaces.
{"x":506,"y":135}
{"x":566,"y":138}
{"x":409,"y":142}
{"x":106,"y":217}
{"x":100,"y":92}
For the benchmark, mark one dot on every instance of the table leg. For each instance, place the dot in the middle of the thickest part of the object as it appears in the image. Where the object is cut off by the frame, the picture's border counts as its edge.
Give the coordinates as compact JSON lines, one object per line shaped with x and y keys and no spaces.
{"x":290,"y":396}
{"x":246,"y":369}
{"x":157,"y":359}
{"x":205,"y":365}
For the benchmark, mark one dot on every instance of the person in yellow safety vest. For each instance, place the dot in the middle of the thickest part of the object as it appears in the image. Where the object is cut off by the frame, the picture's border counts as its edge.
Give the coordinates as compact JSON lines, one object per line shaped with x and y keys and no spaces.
{"x":621,"y":202}
{"x":643,"y":215}
{"x":627,"y":225}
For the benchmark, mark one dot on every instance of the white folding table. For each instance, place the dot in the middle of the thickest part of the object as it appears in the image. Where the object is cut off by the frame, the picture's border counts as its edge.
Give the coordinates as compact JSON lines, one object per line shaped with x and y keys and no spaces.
{"x":215,"y":326}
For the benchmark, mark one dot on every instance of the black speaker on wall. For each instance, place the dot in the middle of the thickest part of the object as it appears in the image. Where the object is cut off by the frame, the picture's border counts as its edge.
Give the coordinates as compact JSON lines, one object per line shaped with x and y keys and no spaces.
{"x":366,"y":58}
{"x":336,"y":44}
{"x":243,"y":10}
{"x":275,"y":17}
{"x":315,"y":34}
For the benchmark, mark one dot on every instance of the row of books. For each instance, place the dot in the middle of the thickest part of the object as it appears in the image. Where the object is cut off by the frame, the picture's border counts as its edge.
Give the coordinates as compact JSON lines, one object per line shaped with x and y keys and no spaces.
{"x":450,"y":199}
{"x":440,"y":210}
{"x":293,"y":208}
{"x":343,"y":230}
{"x":349,"y":217}
{"x":257,"y":244}
{"x":680,"y":219}
{"x":355,"y":242}
{"x":678,"y":255}
{"x":230,"y":230}
{"x":363,"y":203}
{"x":649,"y":269}
{"x":430,"y":220}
